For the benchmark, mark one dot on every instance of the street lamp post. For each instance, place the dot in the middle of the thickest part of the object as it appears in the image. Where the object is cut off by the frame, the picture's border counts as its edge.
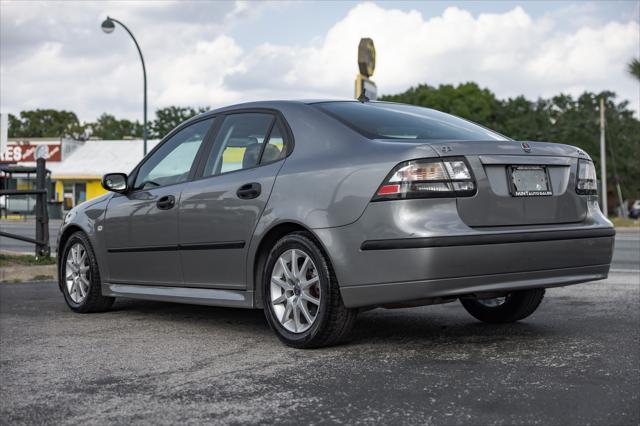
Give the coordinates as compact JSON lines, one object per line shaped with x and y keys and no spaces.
{"x":108,"y":26}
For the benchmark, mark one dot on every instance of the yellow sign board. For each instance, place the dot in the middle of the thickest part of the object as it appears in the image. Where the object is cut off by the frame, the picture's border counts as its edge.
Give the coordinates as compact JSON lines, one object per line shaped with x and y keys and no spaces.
{"x":367,"y":66}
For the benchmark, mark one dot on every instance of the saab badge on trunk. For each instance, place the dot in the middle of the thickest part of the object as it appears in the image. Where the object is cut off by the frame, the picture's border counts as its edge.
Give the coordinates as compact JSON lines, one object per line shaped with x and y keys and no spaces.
{"x":526,"y":147}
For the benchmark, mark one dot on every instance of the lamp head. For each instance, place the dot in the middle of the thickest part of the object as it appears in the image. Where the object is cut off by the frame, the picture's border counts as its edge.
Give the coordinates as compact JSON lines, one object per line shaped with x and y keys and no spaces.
{"x":108,"y":26}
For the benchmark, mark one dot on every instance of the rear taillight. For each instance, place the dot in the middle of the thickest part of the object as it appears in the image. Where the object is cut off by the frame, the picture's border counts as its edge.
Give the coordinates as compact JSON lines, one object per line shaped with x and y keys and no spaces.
{"x":426,"y":178}
{"x":586,"y":181}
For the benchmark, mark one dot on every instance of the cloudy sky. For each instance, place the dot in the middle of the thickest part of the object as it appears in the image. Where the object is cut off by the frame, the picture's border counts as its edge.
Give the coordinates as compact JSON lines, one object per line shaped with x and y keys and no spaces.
{"x":54,"y":55}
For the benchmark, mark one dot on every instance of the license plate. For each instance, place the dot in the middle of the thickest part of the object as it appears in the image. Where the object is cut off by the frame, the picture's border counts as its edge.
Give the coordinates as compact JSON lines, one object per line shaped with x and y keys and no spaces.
{"x":529,"y":181}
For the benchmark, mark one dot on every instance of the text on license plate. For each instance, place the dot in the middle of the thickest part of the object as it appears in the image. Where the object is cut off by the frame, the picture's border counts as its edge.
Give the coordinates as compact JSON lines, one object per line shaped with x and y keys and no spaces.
{"x":529,"y":181}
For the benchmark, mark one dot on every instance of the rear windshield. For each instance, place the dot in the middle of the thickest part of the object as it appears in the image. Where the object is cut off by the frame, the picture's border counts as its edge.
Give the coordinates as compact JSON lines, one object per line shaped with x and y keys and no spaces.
{"x":377,"y":120}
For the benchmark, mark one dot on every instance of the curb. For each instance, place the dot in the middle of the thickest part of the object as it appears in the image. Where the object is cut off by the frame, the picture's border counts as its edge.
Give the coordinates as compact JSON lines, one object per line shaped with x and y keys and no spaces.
{"x":12,"y":274}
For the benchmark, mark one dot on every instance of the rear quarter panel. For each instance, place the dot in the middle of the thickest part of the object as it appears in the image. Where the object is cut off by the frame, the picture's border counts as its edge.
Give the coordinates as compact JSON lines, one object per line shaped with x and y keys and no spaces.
{"x":333,"y":172}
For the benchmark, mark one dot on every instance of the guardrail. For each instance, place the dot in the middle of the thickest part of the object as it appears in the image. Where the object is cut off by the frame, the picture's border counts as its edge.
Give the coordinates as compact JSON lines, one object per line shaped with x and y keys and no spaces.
{"x":41,"y":240}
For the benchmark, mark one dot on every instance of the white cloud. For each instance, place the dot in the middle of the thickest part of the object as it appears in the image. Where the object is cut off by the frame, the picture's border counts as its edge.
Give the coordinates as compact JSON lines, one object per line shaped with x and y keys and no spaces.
{"x":55,"y":56}
{"x":510,"y":53}
{"x":196,"y":77}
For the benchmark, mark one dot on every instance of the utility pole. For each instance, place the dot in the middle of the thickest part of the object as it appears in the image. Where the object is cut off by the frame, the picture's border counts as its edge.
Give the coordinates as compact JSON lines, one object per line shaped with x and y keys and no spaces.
{"x":603,"y":161}
{"x":4,"y":131}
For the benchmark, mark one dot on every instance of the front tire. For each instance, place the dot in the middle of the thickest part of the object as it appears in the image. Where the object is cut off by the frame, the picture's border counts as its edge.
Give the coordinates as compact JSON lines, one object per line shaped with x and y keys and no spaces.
{"x":510,"y":308}
{"x":80,"y":277}
{"x":302,"y":300}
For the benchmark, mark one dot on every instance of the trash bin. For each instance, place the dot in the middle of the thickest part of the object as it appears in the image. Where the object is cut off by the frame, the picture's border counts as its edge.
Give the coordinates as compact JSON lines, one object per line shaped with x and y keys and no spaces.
{"x":55,"y":209}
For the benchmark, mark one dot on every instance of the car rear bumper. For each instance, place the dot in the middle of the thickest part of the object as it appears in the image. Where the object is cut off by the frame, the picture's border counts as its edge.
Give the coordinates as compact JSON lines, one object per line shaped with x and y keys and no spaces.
{"x":391,"y":255}
{"x":398,"y":292}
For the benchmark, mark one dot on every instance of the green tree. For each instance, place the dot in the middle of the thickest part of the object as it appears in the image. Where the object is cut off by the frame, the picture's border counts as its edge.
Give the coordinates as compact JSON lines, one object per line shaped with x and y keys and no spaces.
{"x":170,"y":117}
{"x":44,"y":123}
{"x":15,"y":126}
{"x":109,"y":127}
{"x":561,"y":119}
{"x":466,"y":100}
{"x":634,"y":68}
{"x":522,"y":119}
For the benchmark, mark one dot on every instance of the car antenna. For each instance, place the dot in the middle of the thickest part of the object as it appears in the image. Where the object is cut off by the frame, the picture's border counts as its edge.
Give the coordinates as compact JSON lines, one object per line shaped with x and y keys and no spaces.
{"x":363,"y":96}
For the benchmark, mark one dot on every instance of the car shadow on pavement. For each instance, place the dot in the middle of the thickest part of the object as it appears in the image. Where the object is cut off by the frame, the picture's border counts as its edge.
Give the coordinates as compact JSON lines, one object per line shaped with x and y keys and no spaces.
{"x":409,"y":325}
{"x":379,"y":326}
{"x":179,"y":312}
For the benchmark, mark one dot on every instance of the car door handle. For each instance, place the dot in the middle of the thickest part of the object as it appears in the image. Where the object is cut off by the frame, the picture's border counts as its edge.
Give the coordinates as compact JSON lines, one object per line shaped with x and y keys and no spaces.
{"x":167,"y":202}
{"x":249,"y":191}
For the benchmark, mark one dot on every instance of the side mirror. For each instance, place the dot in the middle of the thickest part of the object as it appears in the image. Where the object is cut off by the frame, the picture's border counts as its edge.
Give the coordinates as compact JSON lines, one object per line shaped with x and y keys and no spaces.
{"x":115,"y":182}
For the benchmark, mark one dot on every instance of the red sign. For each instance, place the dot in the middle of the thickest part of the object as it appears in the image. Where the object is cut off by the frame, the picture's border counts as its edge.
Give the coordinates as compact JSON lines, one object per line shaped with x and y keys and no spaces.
{"x":18,"y":152}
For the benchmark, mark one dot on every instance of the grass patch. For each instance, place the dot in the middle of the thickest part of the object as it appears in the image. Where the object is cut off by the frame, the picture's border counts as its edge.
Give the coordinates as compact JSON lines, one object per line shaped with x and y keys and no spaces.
{"x":624,"y":221}
{"x":43,"y":278}
{"x":25,"y":260}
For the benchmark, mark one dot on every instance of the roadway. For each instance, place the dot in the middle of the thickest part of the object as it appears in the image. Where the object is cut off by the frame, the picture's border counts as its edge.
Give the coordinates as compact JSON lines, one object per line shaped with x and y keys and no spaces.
{"x":26,"y":228}
{"x":575,"y":361}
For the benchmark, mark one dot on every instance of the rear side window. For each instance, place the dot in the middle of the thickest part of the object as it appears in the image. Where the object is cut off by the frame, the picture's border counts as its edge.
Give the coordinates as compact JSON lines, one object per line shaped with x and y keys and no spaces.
{"x":376,"y":120}
{"x":244,"y":141}
{"x":238,"y":143}
{"x":275,"y":148}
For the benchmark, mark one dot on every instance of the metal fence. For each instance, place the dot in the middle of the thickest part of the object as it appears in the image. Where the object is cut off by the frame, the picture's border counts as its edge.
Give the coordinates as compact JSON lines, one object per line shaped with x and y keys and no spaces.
{"x":41,"y":240}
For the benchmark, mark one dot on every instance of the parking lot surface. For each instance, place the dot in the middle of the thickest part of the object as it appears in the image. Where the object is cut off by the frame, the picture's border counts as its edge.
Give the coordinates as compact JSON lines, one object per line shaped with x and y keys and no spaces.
{"x":26,"y":228}
{"x":575,"y":361}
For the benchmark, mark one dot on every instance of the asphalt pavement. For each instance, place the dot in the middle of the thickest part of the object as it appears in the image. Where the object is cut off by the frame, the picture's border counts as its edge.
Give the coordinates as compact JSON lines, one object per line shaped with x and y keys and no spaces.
{"x":575,"y":361}
{"x":26,"y":228}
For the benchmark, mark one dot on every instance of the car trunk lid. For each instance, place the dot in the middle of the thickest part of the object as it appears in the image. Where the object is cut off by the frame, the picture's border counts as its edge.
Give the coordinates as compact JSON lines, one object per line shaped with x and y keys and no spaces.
{"x":497,"y":203}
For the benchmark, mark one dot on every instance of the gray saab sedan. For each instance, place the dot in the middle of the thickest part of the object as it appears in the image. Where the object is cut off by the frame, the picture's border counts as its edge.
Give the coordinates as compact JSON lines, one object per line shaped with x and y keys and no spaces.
{"x":314,"y":211}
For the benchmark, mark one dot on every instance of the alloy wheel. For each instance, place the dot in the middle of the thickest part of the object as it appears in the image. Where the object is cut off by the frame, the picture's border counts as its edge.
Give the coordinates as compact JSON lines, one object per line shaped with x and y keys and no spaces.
{"x":493,"y":302}
{"x":295,"y":290}
{"x":77,"y":271}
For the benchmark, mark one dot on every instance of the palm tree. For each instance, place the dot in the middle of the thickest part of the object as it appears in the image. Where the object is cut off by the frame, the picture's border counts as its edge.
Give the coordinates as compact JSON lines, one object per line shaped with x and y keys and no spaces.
{"x":634,"y":68}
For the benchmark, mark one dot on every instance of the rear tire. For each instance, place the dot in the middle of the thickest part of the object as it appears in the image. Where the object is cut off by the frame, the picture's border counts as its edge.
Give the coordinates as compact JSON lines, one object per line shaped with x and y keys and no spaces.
{"x":80,"y":277}
{"x":516,"y":306}
{"x":323,"y":320}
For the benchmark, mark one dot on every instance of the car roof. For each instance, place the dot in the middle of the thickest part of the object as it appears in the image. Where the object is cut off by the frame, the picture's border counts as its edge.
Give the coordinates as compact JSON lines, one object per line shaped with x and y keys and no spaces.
{"x":275,"y":104}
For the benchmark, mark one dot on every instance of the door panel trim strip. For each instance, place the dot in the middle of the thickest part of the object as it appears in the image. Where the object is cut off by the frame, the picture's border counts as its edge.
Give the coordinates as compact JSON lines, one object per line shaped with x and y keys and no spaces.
{"x":226,"y":245}
{"x":212,"y":246}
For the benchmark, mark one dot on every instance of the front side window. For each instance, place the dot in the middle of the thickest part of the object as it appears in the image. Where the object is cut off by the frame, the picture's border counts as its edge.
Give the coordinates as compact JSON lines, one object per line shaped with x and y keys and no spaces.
{"x":380,"y":120}
{"x":172,"y":162}
{"x":239,"y":143}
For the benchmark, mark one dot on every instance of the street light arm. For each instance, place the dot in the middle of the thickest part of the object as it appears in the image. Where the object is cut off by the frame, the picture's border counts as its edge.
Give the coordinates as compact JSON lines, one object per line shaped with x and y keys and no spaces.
{"x":144,"y":76}
{"x":144,"y":69}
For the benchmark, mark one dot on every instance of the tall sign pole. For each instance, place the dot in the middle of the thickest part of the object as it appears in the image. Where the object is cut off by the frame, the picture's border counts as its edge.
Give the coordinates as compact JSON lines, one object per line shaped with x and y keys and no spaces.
{"x":603,"y":161}
{"x":4,"y":132}
{"x":366,"y":89}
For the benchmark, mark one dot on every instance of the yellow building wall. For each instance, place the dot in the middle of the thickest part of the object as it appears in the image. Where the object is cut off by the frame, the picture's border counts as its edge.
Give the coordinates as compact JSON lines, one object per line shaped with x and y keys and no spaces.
{"x":94,"y":188}
{"x":59,"y":190}
{"x":25,"y":185}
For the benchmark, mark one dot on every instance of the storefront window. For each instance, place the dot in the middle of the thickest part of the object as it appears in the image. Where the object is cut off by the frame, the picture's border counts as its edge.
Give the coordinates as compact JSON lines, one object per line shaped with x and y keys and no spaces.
{"x":67,"y":196}
{"x":53,"y":195}
{"x":73,"y":194}
{"x":80,"y":193}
